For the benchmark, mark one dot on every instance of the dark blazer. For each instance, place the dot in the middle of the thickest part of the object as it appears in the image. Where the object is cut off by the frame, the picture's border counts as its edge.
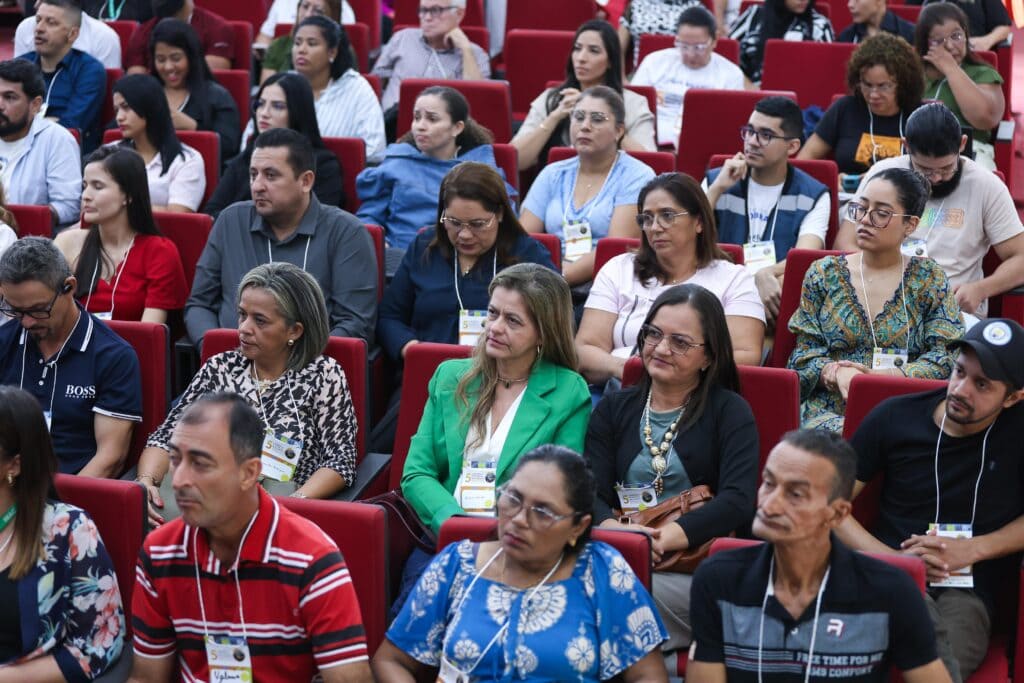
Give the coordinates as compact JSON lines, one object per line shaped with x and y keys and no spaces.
{"x":217,"y":112}
{"x":720,"y":450}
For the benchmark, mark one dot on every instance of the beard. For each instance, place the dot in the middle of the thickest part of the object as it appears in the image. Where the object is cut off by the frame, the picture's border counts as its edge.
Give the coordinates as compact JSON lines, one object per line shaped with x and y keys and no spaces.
{"x":9,"y":127}
{"x":946,"y":187}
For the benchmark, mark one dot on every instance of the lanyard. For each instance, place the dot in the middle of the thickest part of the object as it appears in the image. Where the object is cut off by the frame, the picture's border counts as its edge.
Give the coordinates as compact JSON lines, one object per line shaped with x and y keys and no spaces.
{"x":259,"y":396}
{"x":52,"y":82}
{"x":939,"y":88}
{"x":981,"y":470}
{"x":305,"y":254}
{"x":51,"y":364}
{"x":437,"y":60}
{"x":593,"y":200}
{"x":935,"y":219}
{"x":871,"y":132}
{"x":455,"y":265}
{"x":117,"y":280}
{"x":867,"y":305}
{"x":5,"y":520}
{"x":234,"y":570}
{"x":111,"y":12}
{"x":770,"y":590}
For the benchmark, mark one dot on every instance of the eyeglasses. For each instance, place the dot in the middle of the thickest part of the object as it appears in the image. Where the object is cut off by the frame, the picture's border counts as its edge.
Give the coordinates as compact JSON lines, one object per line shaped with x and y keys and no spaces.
{"x":678,"y":345}
{"x":434,"y":12}
{"x":944,"y":173}
{"x":35,"y":314}
{"x":596,"y":117}
{"x":699,"y":48}
{"x":666,"y":219}
{"x":878,"y":218}
{"x":883,"y":88}
{"x":764,"y":136}
{"x":538,"y":517}
{"x":475,"y":225}
{"x":956,"y":37}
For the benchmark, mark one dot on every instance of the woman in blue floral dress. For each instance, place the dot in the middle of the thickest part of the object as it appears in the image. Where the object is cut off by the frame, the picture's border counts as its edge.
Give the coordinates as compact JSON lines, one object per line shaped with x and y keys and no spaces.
{"x":543,"y":603}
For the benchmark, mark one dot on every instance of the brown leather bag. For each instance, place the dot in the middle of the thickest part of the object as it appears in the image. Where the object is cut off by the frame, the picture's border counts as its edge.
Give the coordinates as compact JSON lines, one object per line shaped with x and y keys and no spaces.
{"x":667,"y":512}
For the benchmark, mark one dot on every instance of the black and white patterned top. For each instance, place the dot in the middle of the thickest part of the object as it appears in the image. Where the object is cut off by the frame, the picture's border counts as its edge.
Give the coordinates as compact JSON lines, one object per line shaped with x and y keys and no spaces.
{"x":321,"y":399}
{"x":658,"y":17}
{"x":749,"y":25}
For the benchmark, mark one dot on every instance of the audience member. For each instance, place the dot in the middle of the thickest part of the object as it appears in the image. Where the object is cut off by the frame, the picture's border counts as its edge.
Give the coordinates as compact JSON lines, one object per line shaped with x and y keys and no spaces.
{"x":63,"y":616}
{"x":299,"y":611}
{"x":216,"y":38}
{"x":95,"y":38}
{"x":401,"y":194}
{"x":288,"y":12}
{"x":871,"y":18}
{"x":683,"y":426}
{"x":758,"y":186}
{"x":39,"y":159}
{"x":75,"y":81}
{"x":283,"y":101}
{"x":678,"y":244}
{"x":8,"y":226}
{"x":124,"y":268}
{"x":765,"y":601}
{"x":590,"y":195}
{"x":278,"y":55}
{"x":989,"y":21}
{"x":125,"y":10}
{"x":642,"y":17}
{"x":914,"y":312}
{"x":970,"y":212}
{"x":177,"y":176}
{"x":933,"y":479}
{"x":885,"y":83}
{"x":572,"y":609}
{"x":956,"y":77}
{"x":786,"y":19}
{"x":286,"y":222}
{"x":594,"y":60}
{"x":84,"y":376}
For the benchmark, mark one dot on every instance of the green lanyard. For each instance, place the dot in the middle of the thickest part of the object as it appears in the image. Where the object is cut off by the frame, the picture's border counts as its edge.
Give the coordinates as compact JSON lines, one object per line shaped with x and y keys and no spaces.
{"x":6,"y":518}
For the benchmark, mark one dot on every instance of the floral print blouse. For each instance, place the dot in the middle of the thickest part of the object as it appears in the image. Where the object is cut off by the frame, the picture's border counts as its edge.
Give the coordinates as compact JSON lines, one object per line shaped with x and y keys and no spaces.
{"x":74,"y":592}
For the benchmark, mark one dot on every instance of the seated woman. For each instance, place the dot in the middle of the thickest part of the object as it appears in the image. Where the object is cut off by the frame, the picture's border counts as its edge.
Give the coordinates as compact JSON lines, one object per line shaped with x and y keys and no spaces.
{"x":196,"y":100}
{"x":655,"y":17}
{"x":589,"y":196}
{"x":177,"y":177}
{"x":885,"y":81}
{"x":283,"y":101}
{"x":401,"y":193}
{"x":785,"y":19}
{"x":914,"y":311}
{"x":124,"y":268}
{"x":518,"y":391}
{"x":279,"y":368}
{"x":989,"y":21}
{"x":956,"y":77}
{"x":8,"y":224}
{"x":551,"y":604}
{"x":679,"y":244}
{"x":286,"y":12}
{"x":683,"y":425}
{"x":63,"y":619}
{"x":278,"y":56}
{"x":595,"y":60}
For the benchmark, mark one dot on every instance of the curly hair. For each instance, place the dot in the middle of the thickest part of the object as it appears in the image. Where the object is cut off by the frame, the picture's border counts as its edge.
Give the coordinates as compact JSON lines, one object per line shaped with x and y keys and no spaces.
{"x":898,"y":57}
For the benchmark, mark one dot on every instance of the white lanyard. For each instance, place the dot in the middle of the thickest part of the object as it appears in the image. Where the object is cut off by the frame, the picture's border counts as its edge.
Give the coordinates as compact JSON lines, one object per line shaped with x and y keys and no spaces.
{"x":305,"y":254}
{"x":437,"y":60}
{"x":53,"y":81}
{"x":117,"y":280}
{"x":941,"y":83}
{"x":775,"y":217}
{"x":51,"y":364}
{"x":233,"y":569}
{"x":871,"y":132}
{"x":184,"y":103}
{"x":259,"y":397}
{"x":867,"y":305}
{"x":981,"y":470}
{"x":935,"y":219}
{"x":455,"y":264}
{"x":593,"y":200}
{"x":770,"y":590}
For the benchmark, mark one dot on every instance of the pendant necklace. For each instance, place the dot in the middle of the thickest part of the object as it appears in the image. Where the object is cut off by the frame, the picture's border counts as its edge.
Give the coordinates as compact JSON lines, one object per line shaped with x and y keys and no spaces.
{"x":509,"y":382}
{"x":659,"y":454}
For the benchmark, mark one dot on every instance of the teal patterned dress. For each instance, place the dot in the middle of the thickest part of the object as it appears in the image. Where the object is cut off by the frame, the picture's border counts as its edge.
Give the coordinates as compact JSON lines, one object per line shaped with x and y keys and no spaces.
{"x":831,"y":324}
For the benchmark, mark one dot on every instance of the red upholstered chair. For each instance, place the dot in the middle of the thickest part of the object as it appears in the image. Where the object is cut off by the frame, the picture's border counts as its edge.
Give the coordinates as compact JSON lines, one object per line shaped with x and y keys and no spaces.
{"x":107,"y":112}
{"x":908,"y":12}
{"x":374,"y":81}
{"x":285,"y":29}
{"x":369,"y":12}
{"x":532,"y":58}
{"x":205,"y":142}
{"x":252,"y":13}
{"x":660,"y":162}
{"x":357,"y":529}
{"x":652,"y":42}
{"x":490,"y":103}
{"x":507,"y":158}
{"x":189,"y":232}
{"x":124,"y":30}
{"x":535,"y":14}
{"x":377,"y":234}
{"x":359,"y":37}
{"x":552,"y":244}
{"x":608,"y":247}
{"x":236,"y":82}
{"x":785,"y":68}
{"x":406,"y":13}
{"x":244,"y":31}
{"x":152,"y":345}
{"x":32,"y":219}
{"x":351,"y":153}
{"x":797,"y":263}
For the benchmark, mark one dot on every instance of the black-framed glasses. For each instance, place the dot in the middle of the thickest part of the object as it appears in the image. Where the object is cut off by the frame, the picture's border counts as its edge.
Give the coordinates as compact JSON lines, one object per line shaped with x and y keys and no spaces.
{"x":538,"y":517}
{"x":475,"y":225}
{"x":665,"y":218}
{"x":678,"y":345}
{"x":878,"y":218}
{"x":434,"y":12}
{"x":596,"y":117}
{"x":764,"y":136}
{"x":35,"y":314}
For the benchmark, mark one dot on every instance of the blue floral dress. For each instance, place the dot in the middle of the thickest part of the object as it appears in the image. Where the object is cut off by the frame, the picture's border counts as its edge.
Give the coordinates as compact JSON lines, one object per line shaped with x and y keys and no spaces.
{"x":589,"y":627}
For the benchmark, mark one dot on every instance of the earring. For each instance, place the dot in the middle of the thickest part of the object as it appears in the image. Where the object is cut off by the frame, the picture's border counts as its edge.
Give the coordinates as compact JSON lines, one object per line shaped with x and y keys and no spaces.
{"x":572,"y":543}
{"x":291,"y":342}
{"x":10,"y":479}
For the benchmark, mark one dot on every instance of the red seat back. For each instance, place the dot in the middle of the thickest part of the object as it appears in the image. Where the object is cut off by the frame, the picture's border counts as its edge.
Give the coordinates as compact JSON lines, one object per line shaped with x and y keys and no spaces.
{"x":243,"y":33}
{"x":908,"y":12}
{"x":359,"y":37}
{"x":507,"y":158}
{"x":252,"y":13}
{"x":552,"y":244}
{"x":406,"y":12}
{"x":797,"y":263}
{"x":532,"y":58}
{"x":377,"y":234}
{"x":236,"y":82}
{"x":152,"y":345}
{"x":32,"y":220}
{"x":609,"y":247}
{"x":360,"y":532}
{"x":107,"y":112}
{"x":206,"y":142}
{"x":785,"y":68}
{"x":652,"y":42}
{"x":189,"y":232}
{"x":660,"y":162}
{"x":374,"y":81}
{"x":490,"y":103}
{"x":536,"y":14}
{"x":368,"y":12}
{"x":351,"y":153}
{"x":123,"y":29}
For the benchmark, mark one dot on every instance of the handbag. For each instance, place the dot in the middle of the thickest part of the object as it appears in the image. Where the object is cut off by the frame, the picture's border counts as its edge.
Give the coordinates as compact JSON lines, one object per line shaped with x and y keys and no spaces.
{"x":667,"y":512}
{"x":405,"y":530}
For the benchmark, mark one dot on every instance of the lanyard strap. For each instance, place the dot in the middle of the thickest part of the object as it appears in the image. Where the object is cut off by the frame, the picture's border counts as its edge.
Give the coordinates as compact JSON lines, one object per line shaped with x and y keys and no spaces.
{"x":871,"y":132}
{"x":5,"y":520}
{"x":867,"y":304}
{"x":935,"y":219}
{"x":51,"y":364}
{"x":259,"y":396}
{"x":592,"y":201}
{"x":52,"y":82}
{"x":233,"y":569}
{"x":455,"y":268}
{"x":111,"y":12}
{"x":981,"y":470}
{"x":305,"y":254}
{"x":117,"y":280}
{"x":770,"y":590}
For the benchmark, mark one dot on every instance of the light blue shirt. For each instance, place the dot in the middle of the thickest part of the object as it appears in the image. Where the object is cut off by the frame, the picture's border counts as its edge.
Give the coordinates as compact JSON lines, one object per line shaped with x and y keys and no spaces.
{"x":550,"y":196}
{"x":48,"y":171}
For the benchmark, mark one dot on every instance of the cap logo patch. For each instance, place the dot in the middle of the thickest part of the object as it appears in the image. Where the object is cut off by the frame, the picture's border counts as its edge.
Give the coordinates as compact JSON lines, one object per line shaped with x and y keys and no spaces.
{"x":997,"y":333}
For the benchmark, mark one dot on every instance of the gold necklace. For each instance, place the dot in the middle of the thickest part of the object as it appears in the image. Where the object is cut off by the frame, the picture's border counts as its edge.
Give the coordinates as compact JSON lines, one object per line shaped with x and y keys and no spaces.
{"x":659,"y":454}
{"x":509,"y":382}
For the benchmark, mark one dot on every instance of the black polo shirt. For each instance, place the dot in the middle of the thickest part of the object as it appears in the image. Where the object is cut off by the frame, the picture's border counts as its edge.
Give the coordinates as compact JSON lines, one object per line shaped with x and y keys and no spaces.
{"x":872,"y":618}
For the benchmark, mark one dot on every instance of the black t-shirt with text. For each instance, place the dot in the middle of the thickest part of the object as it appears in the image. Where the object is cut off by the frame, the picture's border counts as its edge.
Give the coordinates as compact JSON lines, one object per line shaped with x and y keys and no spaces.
{"x":846,"y":127}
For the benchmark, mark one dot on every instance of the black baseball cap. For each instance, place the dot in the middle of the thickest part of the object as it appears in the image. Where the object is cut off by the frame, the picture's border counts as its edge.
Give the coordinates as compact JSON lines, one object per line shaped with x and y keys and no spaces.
{"x":999,"y":345}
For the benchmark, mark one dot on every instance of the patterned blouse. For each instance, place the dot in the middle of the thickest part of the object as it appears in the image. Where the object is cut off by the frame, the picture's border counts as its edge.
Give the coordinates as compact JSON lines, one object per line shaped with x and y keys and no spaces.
{"x":831,"y":324}
{"x":317,"y":395}
{"x":589,"y":627}
{"x":73,"y":591}
{"x":748,"y":28}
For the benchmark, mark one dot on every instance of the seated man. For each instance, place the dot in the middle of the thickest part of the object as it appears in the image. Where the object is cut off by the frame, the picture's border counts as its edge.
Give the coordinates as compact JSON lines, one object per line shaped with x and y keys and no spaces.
{"x":756,"y":611}
{"x":952,"y":457}
{"x":692,"y":63}
{"x":970,"y":211}
{"x":95,"y":38}
{"x":39,"y":159}
{"x":284,"y":221}
{"x":75,"y":81}
{"x":215,"y":35}
{"x":86,"y":377}
{"x":239,"y":588}
{"x":762,"y":202}
{"x":871,"y":17}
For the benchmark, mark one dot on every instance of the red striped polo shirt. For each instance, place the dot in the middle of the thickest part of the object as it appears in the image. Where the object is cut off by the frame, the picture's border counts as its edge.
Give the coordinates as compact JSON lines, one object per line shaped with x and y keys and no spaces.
{"x":300,"y":608}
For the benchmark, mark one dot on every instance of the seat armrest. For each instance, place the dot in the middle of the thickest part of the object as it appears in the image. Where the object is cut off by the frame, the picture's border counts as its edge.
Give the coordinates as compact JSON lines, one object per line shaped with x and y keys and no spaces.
{"x":186,"y":364}
{"x":371,"y":475}
{"x":122,"y":667}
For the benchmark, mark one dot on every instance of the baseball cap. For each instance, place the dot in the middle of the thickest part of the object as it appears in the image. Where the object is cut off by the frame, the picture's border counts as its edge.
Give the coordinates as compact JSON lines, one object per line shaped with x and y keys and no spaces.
{"x":999,"y":345}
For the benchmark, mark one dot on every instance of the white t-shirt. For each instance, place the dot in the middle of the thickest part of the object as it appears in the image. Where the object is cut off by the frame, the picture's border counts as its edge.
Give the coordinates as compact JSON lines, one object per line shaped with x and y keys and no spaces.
{"x":617,"y":290}
{"x":761,"y":201}
{"x":283,"y":12}
{"x":94,"y":38}
{"x":9,"y":153}
{"x":666,"y":72}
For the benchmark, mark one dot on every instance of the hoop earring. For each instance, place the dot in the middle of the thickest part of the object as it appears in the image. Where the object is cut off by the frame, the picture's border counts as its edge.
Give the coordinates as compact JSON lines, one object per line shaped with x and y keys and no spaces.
{"x":10,"y":479}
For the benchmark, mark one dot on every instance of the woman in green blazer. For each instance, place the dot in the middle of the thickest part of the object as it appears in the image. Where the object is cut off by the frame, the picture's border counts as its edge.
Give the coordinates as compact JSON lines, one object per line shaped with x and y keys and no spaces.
{"x":519,"y":390}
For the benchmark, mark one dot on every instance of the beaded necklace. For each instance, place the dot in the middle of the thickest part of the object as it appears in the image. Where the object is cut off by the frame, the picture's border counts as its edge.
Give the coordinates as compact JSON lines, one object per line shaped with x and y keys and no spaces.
{"x":659,"y":454}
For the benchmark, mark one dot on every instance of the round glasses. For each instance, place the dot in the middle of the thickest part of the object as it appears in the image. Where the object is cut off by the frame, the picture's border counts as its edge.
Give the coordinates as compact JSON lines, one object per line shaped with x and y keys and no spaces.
{"x":510,"y":503}
{"x":665,"y":219}
{"x":878,"y":218}
{"x":678,"y":345}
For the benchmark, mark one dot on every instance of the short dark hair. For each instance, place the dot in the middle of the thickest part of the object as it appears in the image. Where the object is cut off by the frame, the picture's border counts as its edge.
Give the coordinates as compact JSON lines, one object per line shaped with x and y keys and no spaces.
{"x":336,"y":38}
{"x":912,"y":189}
{"x":786,"y":109}
{"x":698,"y":15}
{"x":245,"y":428}
{"x":71,"y":7}
{"x":933,"y":131}
{"x":34,"y":259}
{"x":836,"y":450}
{"x":580,"y":485}
{"x":300,"y":151}
{"x":25,"y":72}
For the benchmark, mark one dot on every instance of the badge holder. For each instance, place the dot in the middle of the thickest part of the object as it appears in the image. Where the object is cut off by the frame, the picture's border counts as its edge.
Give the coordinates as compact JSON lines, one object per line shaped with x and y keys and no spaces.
{"x":228,"y":659}
{"x":476,"y":490}
{"x":914,"y":246}
{"x":578,"y":239}
{"x":280,"y":456}
{"x":758,"y":255}
{"x":471,"y":326}
{"x":884,"y":359}
{"x":636,"y":497}
{"x":961,"y":578}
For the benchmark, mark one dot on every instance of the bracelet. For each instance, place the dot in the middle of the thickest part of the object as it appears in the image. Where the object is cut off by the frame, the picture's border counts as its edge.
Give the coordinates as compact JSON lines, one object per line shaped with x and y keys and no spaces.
{"x":151,"y":478}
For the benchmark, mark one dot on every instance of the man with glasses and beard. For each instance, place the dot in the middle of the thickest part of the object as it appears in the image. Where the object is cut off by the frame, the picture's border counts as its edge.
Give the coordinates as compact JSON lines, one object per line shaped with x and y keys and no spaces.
{"x":970,"y":211}
{"x":953,"y":489}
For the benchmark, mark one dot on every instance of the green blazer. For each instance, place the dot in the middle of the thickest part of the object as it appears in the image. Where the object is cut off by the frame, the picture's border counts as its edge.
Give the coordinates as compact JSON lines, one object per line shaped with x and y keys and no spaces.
{"x":555,"y":409}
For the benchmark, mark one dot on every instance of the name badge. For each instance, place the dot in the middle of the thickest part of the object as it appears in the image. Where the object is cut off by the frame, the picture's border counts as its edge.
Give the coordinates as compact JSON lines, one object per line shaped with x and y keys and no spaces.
{"x":280,"y":456}
{"x":636,"y":497}
{"x":578,"y":239}
{"x":476,"y":490}
{"x":794,"y":36}
{"x":758,"y":255}
{"x":883,"y":359}
{"x":449,"y":674}
{"x":961,"y":578}
{"x":471,"y":326}
{"x":109,"y":315}
{"x":228,"y":659}
{"x":913,"y":246}
{"x":48,"y":416}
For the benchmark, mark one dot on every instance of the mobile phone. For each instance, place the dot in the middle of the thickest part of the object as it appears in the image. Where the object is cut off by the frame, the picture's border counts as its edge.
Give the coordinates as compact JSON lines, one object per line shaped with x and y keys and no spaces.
{"x":852,"y":182}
